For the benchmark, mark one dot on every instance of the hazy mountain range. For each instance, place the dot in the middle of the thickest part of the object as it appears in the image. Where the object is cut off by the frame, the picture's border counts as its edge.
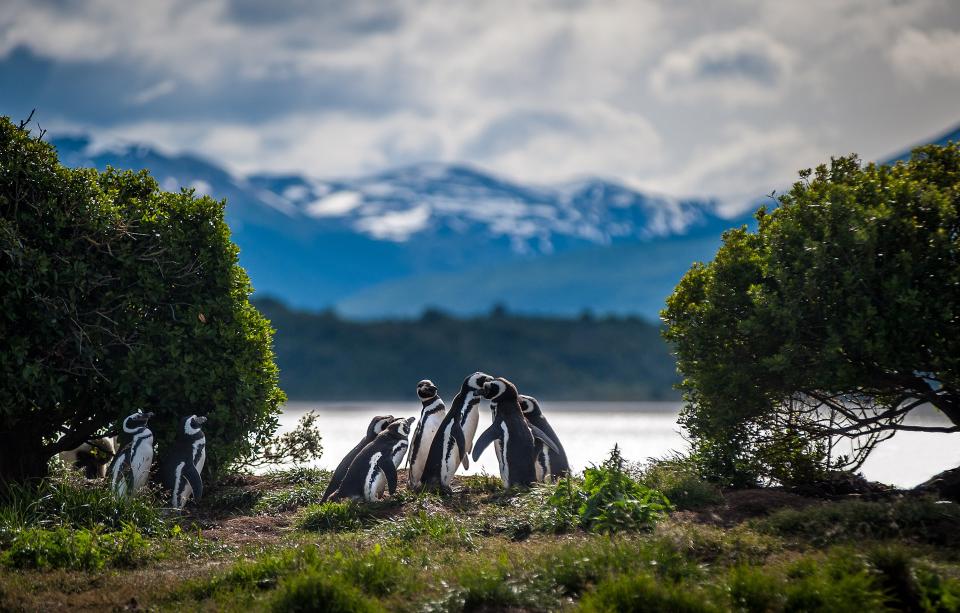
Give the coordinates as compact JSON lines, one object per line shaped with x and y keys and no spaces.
{"x":445,"y":236}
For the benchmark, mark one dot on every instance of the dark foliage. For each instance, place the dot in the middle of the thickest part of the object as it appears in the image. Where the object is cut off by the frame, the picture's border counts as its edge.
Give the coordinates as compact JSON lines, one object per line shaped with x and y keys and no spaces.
{"x":609,"y":358}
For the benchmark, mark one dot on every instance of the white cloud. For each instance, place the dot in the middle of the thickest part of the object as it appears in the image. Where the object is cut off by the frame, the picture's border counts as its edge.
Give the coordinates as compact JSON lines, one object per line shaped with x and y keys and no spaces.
{"x":920,"y":55}
{"x":740,"y":67}
{"x":336,"y":204}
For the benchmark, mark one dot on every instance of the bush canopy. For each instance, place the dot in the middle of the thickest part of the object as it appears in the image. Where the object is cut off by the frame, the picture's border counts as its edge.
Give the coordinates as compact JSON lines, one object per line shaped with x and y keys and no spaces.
{"x":804,"y":344}
{"x":114,"y":296}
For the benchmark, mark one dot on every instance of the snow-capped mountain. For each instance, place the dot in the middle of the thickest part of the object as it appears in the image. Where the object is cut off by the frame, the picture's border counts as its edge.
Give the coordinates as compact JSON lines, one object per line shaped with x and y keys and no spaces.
{"x":393,"y":242}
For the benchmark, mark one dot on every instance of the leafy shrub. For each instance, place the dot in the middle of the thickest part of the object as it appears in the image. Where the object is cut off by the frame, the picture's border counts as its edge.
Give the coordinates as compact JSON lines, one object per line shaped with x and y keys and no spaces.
{"x":923,"y":519}
{"x":302,"y":444}
{"x":637,"y":593}
{"x":608,"y":499}
{"x":75,"y":549}
{"x":679,"y":479}
{"x":315,"y":591}
{"x":116,"y":295}
{"x":67,"y":499}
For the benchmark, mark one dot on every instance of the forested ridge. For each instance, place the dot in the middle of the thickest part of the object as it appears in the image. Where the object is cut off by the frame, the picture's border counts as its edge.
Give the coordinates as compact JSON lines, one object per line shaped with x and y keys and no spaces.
{"x":325,"y":357}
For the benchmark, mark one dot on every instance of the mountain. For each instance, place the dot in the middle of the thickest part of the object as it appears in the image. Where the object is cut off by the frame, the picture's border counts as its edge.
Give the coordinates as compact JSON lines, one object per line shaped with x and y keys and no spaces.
{"x":447,"y":236}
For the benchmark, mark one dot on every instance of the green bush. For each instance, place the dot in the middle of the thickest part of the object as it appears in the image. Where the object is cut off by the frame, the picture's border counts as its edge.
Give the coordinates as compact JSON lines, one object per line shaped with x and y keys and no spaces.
{"x":114,"y":296}
{"x":641,"y":593}
{"x":607,"y":500}
{"x":75,"y":549}
{"x":679,"y":479}
{"x":315,"y":591}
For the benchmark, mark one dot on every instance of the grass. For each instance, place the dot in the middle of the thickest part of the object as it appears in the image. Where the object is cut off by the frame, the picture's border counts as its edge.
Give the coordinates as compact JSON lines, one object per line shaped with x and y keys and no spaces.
{"x":482,"y":549}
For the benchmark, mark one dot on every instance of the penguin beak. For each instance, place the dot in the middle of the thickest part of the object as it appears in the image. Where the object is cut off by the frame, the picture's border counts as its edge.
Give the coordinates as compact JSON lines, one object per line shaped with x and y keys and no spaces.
{"x":201,"y":420}
{"x":487,"y":390}
{"x":410,"y":420}
{"x":148,"y":415}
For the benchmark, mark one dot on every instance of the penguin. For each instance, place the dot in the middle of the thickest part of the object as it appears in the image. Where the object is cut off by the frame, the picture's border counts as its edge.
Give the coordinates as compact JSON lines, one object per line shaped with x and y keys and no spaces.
{"x":375,"y":467}
{"x":450,"y":446}
{"x":180,"y":470}
{"x":377,"y":424}
{"x":92,"y":457}
{"x":515,"y":435}
{"x":549,"y":464}
{"x":470,"y":417}
{"x":131,"y":466}
{"x":431,"y":415}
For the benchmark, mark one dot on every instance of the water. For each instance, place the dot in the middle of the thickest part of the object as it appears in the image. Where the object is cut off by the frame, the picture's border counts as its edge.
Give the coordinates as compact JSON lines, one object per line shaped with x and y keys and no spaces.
{"x":642,"y":429}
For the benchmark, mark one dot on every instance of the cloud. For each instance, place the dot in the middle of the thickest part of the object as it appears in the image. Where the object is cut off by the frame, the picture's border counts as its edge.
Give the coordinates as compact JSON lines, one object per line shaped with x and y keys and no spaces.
{"x":741,"y":67}
{"x":153,"y":92}
{"x":921,"y":55}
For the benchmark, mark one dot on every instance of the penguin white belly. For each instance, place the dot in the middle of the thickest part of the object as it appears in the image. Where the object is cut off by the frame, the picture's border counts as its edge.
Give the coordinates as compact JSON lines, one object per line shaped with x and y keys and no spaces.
{"x":469,"y":423}
{"x":502,"y":454}
{"x":375,"y":482}
{"x":182,"y":490}
{"x":140,"y":463}
{"x":200,"y":449}
{"x":452,"y":455}
{"x":117,"y":479}
{"x":399,"y":450}
{"x":430,"y":427}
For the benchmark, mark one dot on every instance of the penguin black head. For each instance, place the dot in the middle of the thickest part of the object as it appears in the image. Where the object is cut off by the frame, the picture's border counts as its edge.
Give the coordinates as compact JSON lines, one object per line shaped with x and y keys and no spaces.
{"x":426,"y":390}
{"x":499,"y":389}
{"x":476,"y":381}
{"x":190,"y":425}
{"x":400,"y":427}
{"x":530,"y":406}
{"x":377,"y":424}
{"x":135,"y":421}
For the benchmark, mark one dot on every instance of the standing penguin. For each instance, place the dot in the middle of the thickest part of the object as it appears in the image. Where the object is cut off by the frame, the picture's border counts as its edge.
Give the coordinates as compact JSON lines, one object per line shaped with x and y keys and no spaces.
{"x":131,"y":466}
{"x":376,"y":426}
{"x":431,"y":415}
{"x":515,"y":435}
{"x":470,"y":416}
{"x":550,"y":464}
{"x":450,"y":446}
{"x":375,"y":467}
{"x":180,"y":470}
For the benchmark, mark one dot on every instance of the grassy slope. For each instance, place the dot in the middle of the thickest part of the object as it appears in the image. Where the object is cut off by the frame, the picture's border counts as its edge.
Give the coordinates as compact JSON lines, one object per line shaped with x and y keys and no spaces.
{"x":248,"y":547}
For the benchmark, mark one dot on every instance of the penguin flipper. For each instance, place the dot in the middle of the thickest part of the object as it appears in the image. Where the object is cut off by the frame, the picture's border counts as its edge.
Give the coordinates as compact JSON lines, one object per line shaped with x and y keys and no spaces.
{"x":457,"y":432}
{"x":193,"y":478}
{"x":390,"y":472}
{"x":489,"y":435}
{"x":540,"y":434}
{"x":466,"y":461}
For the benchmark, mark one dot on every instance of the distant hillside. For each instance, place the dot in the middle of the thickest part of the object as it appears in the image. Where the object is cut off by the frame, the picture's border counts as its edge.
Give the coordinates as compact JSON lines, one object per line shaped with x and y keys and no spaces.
{"x":323,"y":357}
{"x":355,"y":244}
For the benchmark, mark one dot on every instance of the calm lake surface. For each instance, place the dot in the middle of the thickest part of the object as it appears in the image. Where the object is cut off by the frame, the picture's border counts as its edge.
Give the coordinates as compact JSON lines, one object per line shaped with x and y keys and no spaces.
{"x":642,"y":429}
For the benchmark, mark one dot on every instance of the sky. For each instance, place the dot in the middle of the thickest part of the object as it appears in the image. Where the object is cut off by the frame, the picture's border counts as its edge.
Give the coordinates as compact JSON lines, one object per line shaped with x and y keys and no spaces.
{"x":685,"y":98}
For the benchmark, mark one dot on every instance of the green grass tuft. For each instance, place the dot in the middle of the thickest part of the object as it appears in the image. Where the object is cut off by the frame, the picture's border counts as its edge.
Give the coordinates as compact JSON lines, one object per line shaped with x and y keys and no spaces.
{"x":75,"y":549}
{"x":315,"y":591}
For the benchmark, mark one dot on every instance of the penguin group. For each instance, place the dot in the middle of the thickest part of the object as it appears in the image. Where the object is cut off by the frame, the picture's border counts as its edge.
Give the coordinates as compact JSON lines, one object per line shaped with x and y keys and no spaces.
{"x":130,"y":466}
{"x":527,"y":447}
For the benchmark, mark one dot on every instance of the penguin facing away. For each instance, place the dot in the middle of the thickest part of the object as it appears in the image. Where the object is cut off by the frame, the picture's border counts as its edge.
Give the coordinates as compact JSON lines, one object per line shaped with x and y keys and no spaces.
{"x":431,"y":414}
{"x":375,"y":467}
{"x":550,"y":464}
{"x":515,"y":435}
{"x":130,"y":468}
{"x":450,"y":446}
{"x":376,"y":426}
{"x":180,"y":469}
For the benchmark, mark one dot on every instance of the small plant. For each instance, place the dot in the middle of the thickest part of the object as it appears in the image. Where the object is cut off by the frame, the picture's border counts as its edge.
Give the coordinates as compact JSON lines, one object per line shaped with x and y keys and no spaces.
{"x":608,"y":499}
{"x":438,"y":528}
{"x":330,"y":516}
{"x":288,"y":500}
{"x":299,"y":475}
{"x":644,"y":593}
{"x":316,"y":591}
{"x":75,"y":549}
